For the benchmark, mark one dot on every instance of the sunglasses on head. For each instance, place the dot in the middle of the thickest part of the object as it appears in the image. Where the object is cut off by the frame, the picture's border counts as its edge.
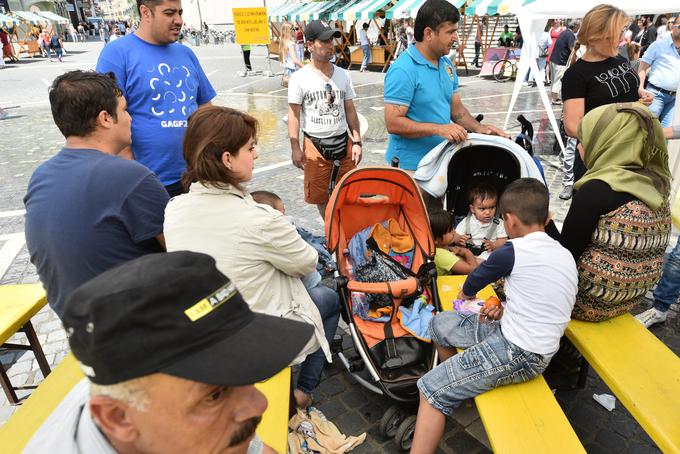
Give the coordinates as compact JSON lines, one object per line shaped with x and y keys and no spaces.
{"x":329,"y":94}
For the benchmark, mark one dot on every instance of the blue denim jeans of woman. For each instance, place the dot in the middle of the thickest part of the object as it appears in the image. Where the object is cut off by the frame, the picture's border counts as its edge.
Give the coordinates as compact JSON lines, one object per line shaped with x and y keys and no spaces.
{"x":328,"y":303}
{"x":367,"y":56}
{"x":667,"y":291}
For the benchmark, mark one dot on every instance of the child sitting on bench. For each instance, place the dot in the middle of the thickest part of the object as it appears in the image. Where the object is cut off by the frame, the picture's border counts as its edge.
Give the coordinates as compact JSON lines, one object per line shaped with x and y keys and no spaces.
{"x":447,"y":259}
{"x":481,"y":231}
{"x":503,"y":345}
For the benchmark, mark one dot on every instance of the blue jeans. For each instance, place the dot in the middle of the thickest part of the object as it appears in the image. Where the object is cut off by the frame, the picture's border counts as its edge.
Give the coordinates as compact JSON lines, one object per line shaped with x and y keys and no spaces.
{"x":667,"y":291}
{"x":662,"y":107}
{"x":531,"y":77}
{"x":367,"y":56}
{"x":488,"y":362}
{"x":328,"y":303}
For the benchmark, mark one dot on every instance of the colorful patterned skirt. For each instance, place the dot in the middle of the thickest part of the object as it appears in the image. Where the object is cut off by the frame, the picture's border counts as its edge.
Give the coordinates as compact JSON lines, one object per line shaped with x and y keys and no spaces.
{"x":623,"y":261}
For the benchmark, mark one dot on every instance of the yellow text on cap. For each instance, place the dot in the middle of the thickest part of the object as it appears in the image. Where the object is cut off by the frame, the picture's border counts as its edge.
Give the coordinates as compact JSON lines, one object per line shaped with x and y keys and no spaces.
{"x":210,"y":303}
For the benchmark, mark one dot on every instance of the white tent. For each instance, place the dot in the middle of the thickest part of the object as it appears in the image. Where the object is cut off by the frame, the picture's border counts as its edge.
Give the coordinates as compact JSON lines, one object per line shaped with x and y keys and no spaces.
{"x":532,"y":18}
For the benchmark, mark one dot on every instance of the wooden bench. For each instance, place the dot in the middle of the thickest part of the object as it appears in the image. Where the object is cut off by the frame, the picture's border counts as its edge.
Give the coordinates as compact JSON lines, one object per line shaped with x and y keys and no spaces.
{"x":17,"y":432}
{"x":639,"y":369}
{"x":18,"y":303}
{"x":521,"y":418}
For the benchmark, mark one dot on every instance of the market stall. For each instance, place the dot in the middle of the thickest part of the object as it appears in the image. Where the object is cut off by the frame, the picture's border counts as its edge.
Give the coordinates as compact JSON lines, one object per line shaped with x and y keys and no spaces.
{"x":24,"y":34}
{"x":366,"y":10}
{"x":406,"y":9}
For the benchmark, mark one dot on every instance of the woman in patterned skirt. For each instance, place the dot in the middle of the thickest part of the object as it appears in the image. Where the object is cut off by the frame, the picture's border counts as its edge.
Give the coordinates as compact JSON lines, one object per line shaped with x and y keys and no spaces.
{"x":619,"y":222}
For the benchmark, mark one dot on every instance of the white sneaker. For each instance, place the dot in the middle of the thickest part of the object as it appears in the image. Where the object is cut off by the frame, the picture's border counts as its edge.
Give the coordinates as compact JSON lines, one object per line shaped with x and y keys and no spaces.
{"x":651,"y":316}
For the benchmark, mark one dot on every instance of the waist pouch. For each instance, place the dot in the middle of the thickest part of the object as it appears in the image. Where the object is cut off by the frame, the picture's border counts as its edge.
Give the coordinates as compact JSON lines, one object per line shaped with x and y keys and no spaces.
{"x":331,"y":148}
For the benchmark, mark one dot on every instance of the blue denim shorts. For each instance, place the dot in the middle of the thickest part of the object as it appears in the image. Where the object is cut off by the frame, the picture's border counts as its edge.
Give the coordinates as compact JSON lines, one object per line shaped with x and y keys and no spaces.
{"x":489,"y":361}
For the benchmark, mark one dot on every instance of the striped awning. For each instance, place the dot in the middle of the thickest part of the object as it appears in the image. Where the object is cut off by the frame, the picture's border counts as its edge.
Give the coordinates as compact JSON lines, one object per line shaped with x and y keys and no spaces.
{"x":365,"y":9}
{"x":409,"y":8}
{"x":285,"y":11}
{"x":492,"y":7}
{"x":325,"y":11}
{"x":29,"y":17}
{"x":7,"y":21}
{"x":49,"y":15}
{"x":339,"y":14}
{"x":309,"y":8}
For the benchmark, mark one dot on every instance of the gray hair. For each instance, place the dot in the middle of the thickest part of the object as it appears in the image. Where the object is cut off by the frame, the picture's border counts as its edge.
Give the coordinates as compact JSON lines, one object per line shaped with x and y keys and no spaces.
{"x":132,"y":392}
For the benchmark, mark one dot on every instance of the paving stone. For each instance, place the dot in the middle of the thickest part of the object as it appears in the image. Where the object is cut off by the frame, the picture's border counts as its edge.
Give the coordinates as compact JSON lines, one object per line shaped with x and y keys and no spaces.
{"x":332,"y":386}
{"x":476,"y":429}
{"x":463,"y":442}
{"x":48,"y":327}
{"x":58,"y":335}
{"x":610,"y":441}
{"x":466,"y":413}
{"x":331,"y":408}
{"x":20,"y":367}
{"x":55,"y":347}
{"x":351,"y":423}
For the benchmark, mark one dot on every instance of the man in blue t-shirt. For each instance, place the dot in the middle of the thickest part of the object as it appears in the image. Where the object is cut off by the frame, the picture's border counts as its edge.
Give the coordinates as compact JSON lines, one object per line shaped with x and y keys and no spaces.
{"x":163,"y":83}
{"x":421,"y":90}
{"x":87,"y":209}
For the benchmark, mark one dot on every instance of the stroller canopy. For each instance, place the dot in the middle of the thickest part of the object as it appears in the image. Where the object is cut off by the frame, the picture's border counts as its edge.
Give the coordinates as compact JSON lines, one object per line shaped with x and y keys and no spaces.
{"x":369,"y":195}
{"x":433,"y":170}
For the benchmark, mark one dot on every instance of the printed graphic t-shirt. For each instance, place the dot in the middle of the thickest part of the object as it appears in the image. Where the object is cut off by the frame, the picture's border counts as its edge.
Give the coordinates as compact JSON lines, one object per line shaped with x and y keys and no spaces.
{"x":163,"y":85}
{"x":322,"y":118}
{"x":599,"y":83}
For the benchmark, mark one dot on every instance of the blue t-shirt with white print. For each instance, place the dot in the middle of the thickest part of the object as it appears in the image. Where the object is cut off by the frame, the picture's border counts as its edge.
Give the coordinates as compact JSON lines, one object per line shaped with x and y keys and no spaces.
{"x":163,"y":85}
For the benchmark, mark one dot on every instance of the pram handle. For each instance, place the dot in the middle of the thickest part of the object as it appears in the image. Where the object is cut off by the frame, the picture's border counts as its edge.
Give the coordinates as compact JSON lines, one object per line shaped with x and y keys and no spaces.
{"x":397,"y":289}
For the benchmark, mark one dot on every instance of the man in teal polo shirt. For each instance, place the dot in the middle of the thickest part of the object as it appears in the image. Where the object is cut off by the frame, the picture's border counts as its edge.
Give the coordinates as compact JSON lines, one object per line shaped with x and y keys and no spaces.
{"x":422,"y":99}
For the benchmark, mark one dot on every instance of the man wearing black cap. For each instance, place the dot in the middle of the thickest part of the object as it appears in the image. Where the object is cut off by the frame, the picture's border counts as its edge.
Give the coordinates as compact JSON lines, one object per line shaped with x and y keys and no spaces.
{"x":171,"y":351}
{"x":323,"y":93}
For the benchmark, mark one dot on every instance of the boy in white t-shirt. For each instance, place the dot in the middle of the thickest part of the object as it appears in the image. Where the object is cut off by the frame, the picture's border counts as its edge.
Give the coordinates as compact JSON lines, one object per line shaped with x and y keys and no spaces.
{"x":502,"y":345}
{"x":481,"y":231}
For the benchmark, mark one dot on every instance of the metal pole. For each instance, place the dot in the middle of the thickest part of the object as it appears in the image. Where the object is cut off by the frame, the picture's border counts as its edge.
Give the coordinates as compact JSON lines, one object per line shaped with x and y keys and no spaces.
{"x":200,"y":18}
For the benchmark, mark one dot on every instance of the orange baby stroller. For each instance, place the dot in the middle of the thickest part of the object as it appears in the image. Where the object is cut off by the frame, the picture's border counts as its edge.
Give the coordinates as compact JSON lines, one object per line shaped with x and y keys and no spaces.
{"x":390,"y":359}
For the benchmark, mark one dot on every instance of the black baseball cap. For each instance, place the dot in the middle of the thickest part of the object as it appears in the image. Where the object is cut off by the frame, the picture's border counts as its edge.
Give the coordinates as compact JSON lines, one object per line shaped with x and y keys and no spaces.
{"x":318,"y":30}
{"x":175,"y":313}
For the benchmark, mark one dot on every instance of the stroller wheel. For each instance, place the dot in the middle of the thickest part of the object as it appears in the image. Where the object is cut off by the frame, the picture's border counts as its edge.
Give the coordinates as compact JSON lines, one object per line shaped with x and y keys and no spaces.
{"x":390,"y":421}
{"x":404,"y":437}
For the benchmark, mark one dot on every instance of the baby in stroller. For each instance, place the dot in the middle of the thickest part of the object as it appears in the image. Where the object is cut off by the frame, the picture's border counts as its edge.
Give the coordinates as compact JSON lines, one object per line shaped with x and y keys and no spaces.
{"x":481,"y":231}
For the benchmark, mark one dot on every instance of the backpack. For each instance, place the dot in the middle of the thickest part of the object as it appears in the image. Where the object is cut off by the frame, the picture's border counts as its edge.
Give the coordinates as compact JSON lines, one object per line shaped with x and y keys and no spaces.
{"x":54,"y":42}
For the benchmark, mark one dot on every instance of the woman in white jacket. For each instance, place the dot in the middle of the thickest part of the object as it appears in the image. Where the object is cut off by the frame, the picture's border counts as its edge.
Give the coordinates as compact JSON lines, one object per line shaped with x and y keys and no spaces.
{"x":253,"y":244}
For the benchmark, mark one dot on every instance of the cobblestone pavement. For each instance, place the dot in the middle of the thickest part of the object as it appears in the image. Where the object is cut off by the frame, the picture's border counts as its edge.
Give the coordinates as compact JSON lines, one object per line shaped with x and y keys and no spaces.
{"x":29,"y":137}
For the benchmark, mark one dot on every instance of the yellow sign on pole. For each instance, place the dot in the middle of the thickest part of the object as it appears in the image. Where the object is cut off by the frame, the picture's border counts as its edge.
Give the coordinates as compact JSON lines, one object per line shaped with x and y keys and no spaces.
{"x":251,"y":25}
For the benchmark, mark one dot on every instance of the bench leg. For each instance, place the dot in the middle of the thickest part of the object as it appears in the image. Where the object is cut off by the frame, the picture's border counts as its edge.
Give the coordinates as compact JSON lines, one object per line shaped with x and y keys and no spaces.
{"x":37,"y":349}
{"x":583,"y":373}
{"x":7,"y":387}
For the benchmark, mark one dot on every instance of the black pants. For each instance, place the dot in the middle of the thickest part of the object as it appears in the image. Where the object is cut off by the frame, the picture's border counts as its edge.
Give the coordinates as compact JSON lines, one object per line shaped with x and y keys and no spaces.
{"x":246,"y":60}
{"x":175,"y":189}
{"x":478,"y":51}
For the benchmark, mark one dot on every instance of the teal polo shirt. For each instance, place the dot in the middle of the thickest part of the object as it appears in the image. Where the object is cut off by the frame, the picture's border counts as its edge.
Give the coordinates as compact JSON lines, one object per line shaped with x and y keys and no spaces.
{"x":426,"y":90}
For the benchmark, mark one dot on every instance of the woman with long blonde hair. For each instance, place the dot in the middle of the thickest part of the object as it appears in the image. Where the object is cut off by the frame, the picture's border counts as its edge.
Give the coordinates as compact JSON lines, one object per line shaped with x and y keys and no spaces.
{"x":289,"y":58}
{"x":601,"y":76}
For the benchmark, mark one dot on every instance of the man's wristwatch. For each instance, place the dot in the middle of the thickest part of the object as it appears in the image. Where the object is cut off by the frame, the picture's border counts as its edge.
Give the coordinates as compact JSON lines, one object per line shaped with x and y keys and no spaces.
{"x":356,"y":142}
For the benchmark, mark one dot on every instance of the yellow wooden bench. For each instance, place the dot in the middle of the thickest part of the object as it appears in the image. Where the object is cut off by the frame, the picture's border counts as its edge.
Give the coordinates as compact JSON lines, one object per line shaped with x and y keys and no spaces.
{"x":18,"y":303}
{"x":639,"y":369}
{"x":518,"y":418}
{"x":17,"y":432}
